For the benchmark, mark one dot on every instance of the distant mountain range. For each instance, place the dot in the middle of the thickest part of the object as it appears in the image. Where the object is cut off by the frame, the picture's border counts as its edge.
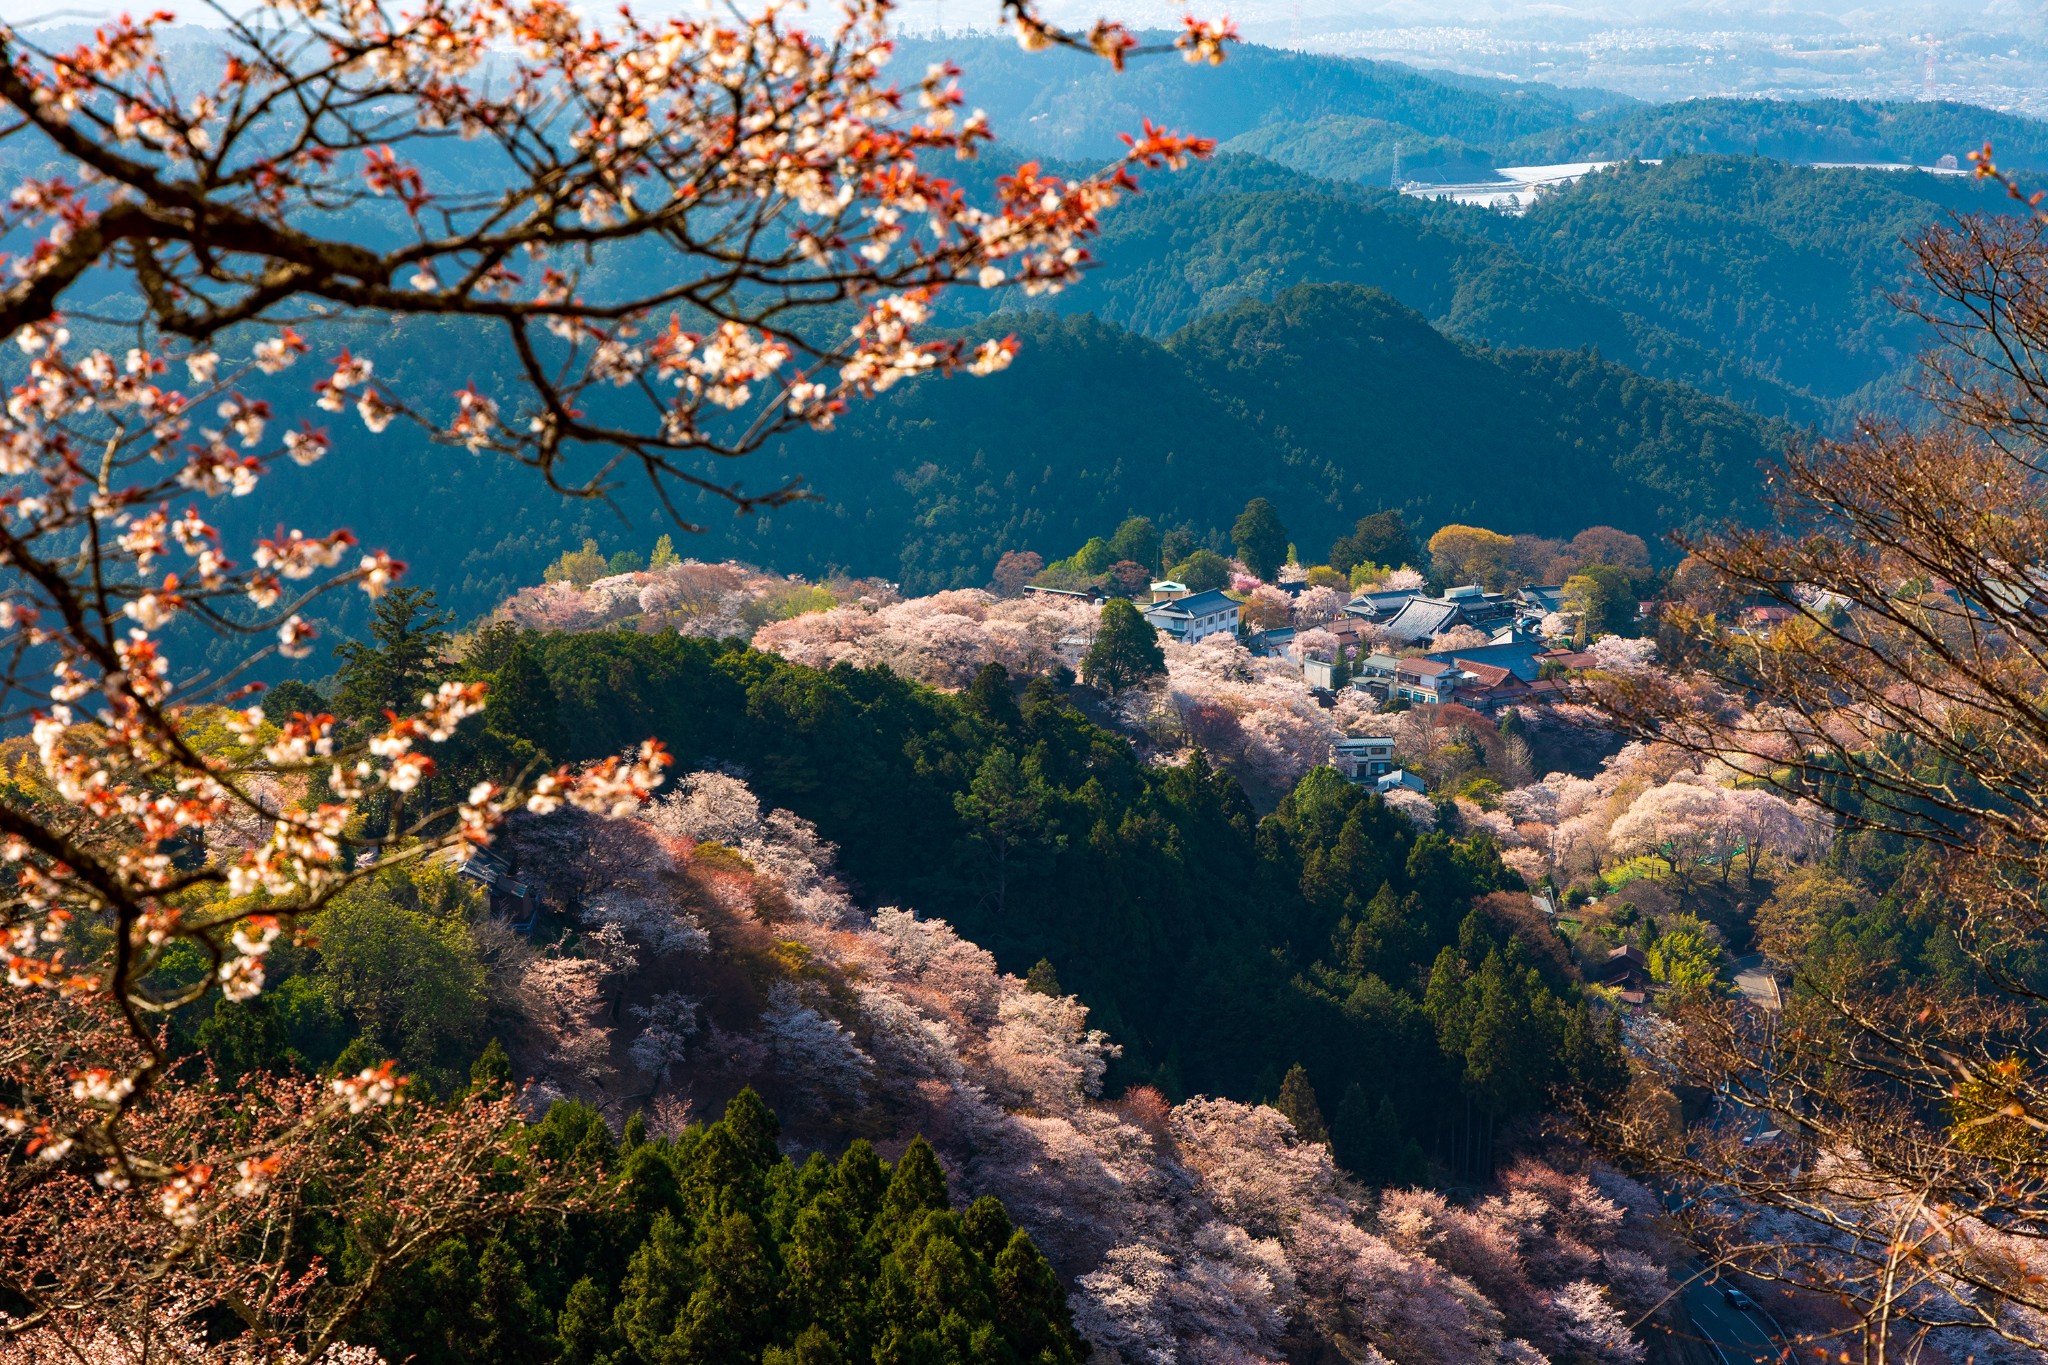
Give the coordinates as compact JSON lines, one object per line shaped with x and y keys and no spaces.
{"x":1069,"y":105}
{"x":1625,"y":353}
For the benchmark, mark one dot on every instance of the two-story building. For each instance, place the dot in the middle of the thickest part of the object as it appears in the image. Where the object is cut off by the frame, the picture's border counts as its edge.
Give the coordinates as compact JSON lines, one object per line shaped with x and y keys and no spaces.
{"x":1427,"y":682}
{"x":1194,"y":617}
{"x":1363,"y":758}
{"x":1489,"y":687}
{"x":508,"y":898}
{"x":1373,"y":674}
{"x":1521,"y":658}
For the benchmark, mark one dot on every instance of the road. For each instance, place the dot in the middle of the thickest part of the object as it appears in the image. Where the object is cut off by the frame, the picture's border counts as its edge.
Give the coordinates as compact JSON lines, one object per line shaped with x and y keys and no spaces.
{"x":1738,"y":1337}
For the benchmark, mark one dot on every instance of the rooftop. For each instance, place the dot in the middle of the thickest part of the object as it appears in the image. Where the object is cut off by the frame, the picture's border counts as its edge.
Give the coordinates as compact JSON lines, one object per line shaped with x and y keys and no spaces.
{"x":1427,"y":668}
{"x":1199,"y":604}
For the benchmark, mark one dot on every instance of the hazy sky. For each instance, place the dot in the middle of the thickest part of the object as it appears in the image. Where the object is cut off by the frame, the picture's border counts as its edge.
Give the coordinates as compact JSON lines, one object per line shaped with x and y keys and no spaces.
{"x":1991,"y":52}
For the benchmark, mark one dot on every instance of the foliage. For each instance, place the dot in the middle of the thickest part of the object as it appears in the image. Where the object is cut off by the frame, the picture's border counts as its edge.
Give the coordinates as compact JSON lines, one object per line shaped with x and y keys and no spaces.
{"x":1202,"y":571}
{"x":1261,"y":540}
{"x":1137,"y":540}
{"x":397,"y":959}
{"x":1470,"y":554}
{"x":1904,"y":701}
{"x":1382,"y":539}
{"x":368,"y":175}
{"x":1297,"y":1100}
{"x":712,"y":1245}
{"x":1603,"y":599}
{"x":578,"y":568}
{"x":1686,"y":954}
{"x":1126,"y":650}
{"x":1164,"y":875}
{"x":398,"y":664}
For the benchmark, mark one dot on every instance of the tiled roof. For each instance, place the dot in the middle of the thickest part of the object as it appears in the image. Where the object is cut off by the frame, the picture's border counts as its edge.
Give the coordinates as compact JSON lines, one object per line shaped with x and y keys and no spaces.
{"x":1420,"y":619}
{"x":1488,"y":674}
{"x":1425,"y":668}
{"x":1200,"y":604}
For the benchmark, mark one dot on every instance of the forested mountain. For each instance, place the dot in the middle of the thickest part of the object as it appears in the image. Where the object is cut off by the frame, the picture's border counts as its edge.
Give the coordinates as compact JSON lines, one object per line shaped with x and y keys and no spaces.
{"x":1349,"y":408}
{"x":1784,"y":270}
{"x":1789,"y":130}
{"x":1243,"y":228}
{"x":1539,"y":436}
{"x":1070,"y":105}
{"x":1352,"y":110}
{"x":1332,"y":401}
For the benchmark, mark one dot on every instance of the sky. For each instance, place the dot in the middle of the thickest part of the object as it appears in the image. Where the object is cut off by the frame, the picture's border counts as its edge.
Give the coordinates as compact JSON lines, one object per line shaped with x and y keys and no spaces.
{"x":1990,"y":52}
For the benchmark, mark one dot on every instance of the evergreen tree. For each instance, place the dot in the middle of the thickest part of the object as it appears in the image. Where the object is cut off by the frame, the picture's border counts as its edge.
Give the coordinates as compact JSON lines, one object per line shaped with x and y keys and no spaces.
{"x":990,"y":696}
{"x":1382,"y":538}
{"x":1260,"y":539}
{"x":1126,"y":650}
{"x":1202,"y":571}
{"x":399,"y":664}
{"x":492,"y":1067}
{"x":512,"y":1328}
{"x":1042,"y":979}
{"x":1367,"y":1138}
{"x":916,"y":1186}
{"x":283,"y":700}
{"x":730,"y":1316}
{"x":1137,"y":540}
{"x":1593,"y":1053}
{"x":1298,"y":1101}
{"x":664,"y":554}
{"x":1004,"y":809}
{"x":521,"y":703}
{"x":583,"y":1329}
{"x":660,"y":1278}
{"x":988,"y":1227}
{"x":1031,"y":1307}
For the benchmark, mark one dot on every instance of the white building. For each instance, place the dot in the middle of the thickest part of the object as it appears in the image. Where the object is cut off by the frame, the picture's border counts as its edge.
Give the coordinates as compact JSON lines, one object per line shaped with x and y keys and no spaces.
{"x":1194,"y":617}
{"x":1363,"y":758}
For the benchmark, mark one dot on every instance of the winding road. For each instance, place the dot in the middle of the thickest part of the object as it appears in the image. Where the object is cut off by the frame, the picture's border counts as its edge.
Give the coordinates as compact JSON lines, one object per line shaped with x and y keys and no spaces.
{"x":1738,"y":1336}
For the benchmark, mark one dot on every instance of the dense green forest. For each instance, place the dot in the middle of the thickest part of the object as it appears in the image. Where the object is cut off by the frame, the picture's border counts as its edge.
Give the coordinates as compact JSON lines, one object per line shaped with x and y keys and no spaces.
{"x":1789,"y":130}
{"x":714,"y":1246}
{"x":1785,"y":271}
{"x":1329,"y":401}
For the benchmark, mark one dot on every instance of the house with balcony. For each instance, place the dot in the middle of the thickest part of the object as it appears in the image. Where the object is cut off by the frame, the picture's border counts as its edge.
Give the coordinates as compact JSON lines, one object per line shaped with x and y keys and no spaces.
{"x":1489,"y":687}
{"x":1363,"y":758}
{"x":1427,"y":682}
